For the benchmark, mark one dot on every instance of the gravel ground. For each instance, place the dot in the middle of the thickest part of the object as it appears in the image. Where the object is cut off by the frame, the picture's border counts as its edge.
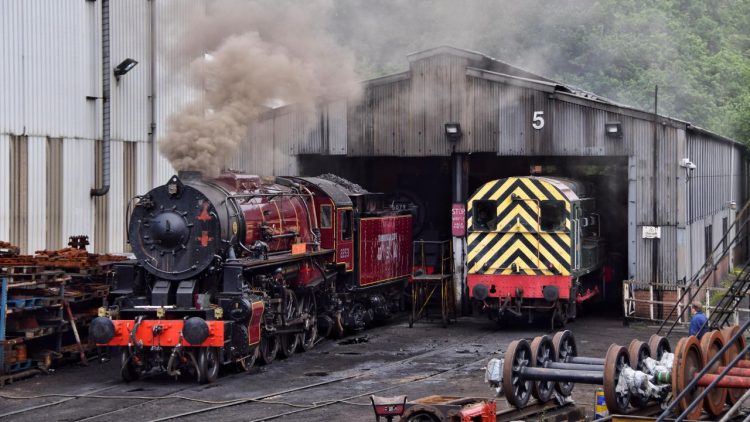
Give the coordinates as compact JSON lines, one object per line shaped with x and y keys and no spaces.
{"x":393,"y":360}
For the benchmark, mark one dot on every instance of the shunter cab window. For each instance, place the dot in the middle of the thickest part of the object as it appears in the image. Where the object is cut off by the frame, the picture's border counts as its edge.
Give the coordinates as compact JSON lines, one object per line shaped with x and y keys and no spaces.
{"x":552,"y":215}
{"x":325,"y":216}
{"x":484,"y":215}
{"x":346,"y":225}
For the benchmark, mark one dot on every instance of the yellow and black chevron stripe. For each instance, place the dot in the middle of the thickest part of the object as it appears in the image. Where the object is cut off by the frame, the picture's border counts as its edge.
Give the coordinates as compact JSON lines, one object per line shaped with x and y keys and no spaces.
{"x":517,"y":245}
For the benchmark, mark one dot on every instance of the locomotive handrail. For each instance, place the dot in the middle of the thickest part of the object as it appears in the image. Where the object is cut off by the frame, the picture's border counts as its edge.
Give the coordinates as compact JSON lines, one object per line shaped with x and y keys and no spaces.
{"x":708,"y":263}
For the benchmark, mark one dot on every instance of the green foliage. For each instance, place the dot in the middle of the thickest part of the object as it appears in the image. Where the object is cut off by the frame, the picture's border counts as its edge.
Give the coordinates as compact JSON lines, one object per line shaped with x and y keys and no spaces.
{"x":697,"y":52}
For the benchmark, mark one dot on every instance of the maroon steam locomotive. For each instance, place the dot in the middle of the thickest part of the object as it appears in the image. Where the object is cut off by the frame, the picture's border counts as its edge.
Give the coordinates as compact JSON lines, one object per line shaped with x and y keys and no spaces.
{"x":239,"y":268}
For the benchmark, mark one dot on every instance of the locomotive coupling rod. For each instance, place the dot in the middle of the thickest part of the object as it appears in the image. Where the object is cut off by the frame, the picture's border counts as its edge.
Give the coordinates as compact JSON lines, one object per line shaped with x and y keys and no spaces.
{"x":573,"y":366}
{"x":562,"y":375}
{"x":585,"y":360}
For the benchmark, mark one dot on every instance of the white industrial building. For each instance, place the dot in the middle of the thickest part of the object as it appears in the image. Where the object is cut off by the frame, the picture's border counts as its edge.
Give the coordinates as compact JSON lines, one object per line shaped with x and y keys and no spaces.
{"x":51,"y":116}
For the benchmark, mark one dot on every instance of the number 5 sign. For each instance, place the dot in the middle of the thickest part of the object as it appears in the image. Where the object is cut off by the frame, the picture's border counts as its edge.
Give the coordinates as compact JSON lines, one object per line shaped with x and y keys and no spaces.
{"x":538,"y":121}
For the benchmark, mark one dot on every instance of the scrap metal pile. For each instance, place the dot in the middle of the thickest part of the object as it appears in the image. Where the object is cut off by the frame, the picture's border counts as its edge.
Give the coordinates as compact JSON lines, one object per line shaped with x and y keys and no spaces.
{"x":48,"y":295}
{"x":632,"y":377}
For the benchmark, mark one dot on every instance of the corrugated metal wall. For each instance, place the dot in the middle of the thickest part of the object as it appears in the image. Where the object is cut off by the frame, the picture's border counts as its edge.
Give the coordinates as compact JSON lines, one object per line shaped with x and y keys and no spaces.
{"x":5,"y":186}
{"x":55,"y":191}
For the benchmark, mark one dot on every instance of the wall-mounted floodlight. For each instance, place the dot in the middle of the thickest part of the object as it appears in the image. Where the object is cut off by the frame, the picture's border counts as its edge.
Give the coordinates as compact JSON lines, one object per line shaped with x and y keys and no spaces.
{"x":613,"y":129}
{"x":453,"y":131}
{"x":124,"y":67}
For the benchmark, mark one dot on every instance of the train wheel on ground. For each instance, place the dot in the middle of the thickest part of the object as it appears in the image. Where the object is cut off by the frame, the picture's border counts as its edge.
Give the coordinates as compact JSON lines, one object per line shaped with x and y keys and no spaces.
{"x":517,"y":390}
{"x":269,"y":346}
{"x":734,"y":394}
{"x":615,"y":361}
{"x":246,"y":363}
{"x":288,"y":342}
{"x":565,"y":348}
{"x":638,"y":351}
{"x":128,"y":369}
{"x":309,"y":313}
{"x":711,"y":343}
{"x":208,"y":364}
{"x":688,"y":361}
{"x":657,"y":346}
{"x":542,"y":351}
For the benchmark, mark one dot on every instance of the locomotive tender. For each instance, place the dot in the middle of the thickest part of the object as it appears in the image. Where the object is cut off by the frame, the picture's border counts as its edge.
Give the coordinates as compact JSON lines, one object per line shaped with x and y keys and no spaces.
{"x":241,"y":267}
{"x":534,"y":246}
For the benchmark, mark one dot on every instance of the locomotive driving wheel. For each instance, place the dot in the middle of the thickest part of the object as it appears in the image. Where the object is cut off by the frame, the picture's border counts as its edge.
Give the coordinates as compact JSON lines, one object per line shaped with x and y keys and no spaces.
{"x":288,"y":342}
{"x":564,"y":344}
{"x":542,"y":351}
{"x":309,"y":316}
{"x":517,"y":390}
{"x":208,"y":364}
{"x":638,"y":351}
{"x":269,"y":347}
{"x":688,"y":361}
{"x":246,"y":363}
{"x":615,"y":361}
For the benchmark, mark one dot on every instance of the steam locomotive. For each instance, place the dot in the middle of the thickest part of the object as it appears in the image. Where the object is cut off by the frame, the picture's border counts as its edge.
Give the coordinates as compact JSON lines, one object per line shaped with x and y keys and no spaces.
{"x":239,"y":267}
{"x":534,"y":247}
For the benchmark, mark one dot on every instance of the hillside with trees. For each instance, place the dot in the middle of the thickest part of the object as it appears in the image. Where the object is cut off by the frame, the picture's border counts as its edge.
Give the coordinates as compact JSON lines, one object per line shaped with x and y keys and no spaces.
{"x":697,"y":52}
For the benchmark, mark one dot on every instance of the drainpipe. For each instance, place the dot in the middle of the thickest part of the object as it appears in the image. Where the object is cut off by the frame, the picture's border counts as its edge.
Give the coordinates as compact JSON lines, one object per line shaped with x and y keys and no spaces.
{"x":106,"y":130}
{"x":152,"y":93}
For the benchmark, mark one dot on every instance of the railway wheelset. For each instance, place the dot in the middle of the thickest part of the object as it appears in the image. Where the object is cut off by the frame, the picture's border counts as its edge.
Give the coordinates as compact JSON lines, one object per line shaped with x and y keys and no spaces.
{"x":633,"y":376}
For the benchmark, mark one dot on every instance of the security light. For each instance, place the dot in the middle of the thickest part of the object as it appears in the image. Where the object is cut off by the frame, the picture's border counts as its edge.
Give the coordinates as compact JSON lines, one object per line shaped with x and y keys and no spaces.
{"x":613,"y":129}
{"x":453,"y":131}
{"x":124,"y":67}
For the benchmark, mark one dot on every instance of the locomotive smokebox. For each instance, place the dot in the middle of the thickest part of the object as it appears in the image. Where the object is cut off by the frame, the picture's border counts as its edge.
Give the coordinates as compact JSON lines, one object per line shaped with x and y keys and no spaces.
{"x":187,"y":175}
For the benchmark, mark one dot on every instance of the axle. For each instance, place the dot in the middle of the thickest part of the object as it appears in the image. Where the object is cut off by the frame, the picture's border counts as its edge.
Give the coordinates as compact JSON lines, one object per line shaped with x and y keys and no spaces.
{"x":562,"y":375}
{"x":573,"y":366}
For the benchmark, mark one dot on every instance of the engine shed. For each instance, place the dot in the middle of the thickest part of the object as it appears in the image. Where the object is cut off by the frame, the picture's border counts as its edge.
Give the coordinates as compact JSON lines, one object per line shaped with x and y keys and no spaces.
{"x":668,"y":192}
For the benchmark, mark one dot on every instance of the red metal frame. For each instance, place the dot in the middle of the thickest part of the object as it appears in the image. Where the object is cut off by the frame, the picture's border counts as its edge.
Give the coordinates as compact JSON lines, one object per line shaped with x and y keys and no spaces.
{"x":170,"y":333}
{"x":532,"y":285}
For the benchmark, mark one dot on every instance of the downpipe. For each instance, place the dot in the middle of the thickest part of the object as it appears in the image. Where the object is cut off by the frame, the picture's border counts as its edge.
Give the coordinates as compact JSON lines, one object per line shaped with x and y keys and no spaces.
{"x":106,"y":107}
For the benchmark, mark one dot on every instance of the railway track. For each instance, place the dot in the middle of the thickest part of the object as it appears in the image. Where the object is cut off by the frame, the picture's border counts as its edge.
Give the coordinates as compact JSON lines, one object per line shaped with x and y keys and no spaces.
{"x":212,"y":406}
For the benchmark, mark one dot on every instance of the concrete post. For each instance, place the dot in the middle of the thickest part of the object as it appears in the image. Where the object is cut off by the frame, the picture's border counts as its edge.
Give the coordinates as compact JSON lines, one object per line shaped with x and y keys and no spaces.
{"x":459,"y":182}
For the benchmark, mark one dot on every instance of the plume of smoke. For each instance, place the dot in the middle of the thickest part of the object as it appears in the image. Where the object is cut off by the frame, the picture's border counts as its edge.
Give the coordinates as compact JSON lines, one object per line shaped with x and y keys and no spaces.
{"x":248,"y":54}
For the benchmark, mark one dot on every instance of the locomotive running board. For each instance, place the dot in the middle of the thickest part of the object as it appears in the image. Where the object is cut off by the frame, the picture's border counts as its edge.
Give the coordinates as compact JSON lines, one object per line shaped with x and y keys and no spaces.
{"x":276,"y":260}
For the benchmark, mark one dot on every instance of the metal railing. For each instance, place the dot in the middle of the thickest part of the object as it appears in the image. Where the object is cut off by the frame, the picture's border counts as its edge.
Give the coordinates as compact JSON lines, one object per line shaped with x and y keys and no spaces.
{"x":693,"y":286}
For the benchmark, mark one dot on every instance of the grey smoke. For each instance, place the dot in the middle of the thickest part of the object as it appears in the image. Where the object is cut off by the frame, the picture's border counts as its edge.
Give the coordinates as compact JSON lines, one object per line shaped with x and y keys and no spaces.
{"x":247,"y":54}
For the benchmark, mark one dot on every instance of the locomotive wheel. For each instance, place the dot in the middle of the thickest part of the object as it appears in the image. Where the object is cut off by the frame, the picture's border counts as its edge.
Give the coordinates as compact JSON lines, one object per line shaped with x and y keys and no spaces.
{"x":269,"y":346}
{"x":128,"y":369}
{"x":246,"y":363}
{"x":517,"y":390}
{"x":541,"y":352}
{"x":208,"y":364}
{"x":688,"y":361}
{"x":711,"y":343}
{"x":310,"y":333}
{"x":615,"y":361}
{"x":658,"y":345}
{"x":638,"y":351}
{"x":288,"y":342}
{"x":734,"y":394}
{"x":564,"y":344}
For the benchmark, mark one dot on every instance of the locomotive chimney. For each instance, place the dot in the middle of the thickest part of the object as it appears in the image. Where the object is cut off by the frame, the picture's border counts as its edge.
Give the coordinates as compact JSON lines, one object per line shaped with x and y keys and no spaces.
{"x":185,"y":175}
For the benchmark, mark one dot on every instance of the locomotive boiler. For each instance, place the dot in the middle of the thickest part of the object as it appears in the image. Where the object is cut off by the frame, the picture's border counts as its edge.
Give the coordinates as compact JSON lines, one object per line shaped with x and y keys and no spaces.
{"x":240,"y":267}
{"x":534,"y":246}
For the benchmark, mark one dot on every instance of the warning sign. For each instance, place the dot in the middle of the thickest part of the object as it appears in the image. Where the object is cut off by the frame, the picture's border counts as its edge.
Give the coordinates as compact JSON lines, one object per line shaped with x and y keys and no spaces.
{"x":458,"y":220}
